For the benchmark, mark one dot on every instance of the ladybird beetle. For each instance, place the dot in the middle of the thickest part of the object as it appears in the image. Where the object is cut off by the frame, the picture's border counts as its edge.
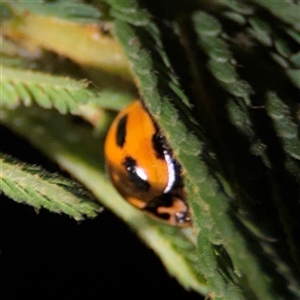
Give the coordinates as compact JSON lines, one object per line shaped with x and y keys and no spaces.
{"x":142,"y":168}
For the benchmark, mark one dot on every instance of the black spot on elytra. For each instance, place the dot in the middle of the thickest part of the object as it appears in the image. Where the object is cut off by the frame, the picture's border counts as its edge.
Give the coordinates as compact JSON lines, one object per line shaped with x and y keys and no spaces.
{"x":139,"y":183}
{"x":121,"y":131}
{"x":158,"y":142}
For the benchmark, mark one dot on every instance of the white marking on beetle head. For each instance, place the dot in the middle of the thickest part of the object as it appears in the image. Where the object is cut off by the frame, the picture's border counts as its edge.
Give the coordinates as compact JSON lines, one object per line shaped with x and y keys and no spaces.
{"x":141,"y":173}
{"x":171,"y":172}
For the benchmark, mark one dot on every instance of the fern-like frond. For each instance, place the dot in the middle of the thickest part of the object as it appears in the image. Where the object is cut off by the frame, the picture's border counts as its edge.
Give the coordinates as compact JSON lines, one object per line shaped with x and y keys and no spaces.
{"x":36,"y":187}
{"x":89,"y":44}
{"x":221,"y":62}
{"x":217,"y":214}
{"x":283,"y":10}
{"x":286,"y":127}
{"x":281,"y":41}
{"x":23,"y":86}
{"x":69,"y":10}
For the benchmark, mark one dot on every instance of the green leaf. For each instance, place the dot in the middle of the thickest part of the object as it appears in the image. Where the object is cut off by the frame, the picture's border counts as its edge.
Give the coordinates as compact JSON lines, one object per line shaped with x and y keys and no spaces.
{"x":214,"y":211}
{"x":221,"y":64}
{"x":73,"y":11}
{"x":285,"y":126}
{"x":36,"y":187}
{"x":238,"y":6}
{"x":46,"y":90}
{"x":285,"y":10}
{"x":96,"y":50}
